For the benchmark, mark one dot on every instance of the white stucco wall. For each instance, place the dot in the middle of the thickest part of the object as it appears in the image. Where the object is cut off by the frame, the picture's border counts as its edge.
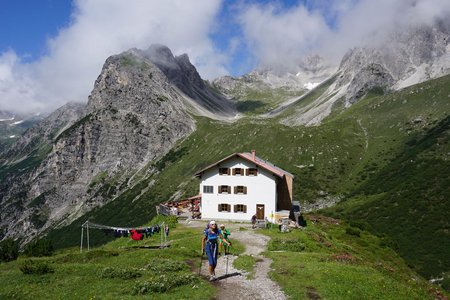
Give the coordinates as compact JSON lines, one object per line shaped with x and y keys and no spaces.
{"x":261,"y":189}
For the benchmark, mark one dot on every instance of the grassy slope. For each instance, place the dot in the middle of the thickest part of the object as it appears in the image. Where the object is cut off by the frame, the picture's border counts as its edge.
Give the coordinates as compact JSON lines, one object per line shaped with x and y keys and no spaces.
{"x":347,"y":152}
{"x":369,"y":270}
{"x":337,"y":265}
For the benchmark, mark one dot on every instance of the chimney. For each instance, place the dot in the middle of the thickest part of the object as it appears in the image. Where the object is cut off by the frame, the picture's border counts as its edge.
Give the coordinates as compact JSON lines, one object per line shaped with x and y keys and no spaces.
{"x":253,"y":154}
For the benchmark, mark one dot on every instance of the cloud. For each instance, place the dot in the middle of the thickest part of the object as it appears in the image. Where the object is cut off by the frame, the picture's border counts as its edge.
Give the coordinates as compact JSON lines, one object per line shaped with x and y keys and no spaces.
{"x":98,"y":29}
{"x":277,"y":36}
{"x":280,"y":36}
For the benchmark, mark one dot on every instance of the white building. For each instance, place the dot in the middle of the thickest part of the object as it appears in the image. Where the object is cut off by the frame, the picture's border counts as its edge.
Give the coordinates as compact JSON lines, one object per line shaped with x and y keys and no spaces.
{"x":242,"y":185}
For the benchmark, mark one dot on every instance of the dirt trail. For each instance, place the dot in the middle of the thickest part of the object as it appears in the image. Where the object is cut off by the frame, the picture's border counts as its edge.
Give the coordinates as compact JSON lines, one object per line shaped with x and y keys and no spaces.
{"x":233,"y":283}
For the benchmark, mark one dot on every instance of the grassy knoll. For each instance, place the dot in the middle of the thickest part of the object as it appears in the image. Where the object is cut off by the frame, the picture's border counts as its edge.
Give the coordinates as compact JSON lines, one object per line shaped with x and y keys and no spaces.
{"x":326,"y":260}
{"x":117,"y":270}
{"x":331,"y":260}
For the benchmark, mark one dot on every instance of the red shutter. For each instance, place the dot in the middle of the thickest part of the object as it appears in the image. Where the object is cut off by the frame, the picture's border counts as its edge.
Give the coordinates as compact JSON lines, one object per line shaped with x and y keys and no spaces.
{"x":219,"y":208}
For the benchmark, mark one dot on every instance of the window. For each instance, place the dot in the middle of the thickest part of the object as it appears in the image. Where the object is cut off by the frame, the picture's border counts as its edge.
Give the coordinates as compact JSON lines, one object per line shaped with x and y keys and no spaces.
{"x":208,"y":189}
{"x":224,"y":189}
{"x":224,"y":171}
{"x":238,"y":171}
{"x":223,"y":207}
{"x":251,"y":172}
{"x":240,"y":208}
{"x":240,"y":189}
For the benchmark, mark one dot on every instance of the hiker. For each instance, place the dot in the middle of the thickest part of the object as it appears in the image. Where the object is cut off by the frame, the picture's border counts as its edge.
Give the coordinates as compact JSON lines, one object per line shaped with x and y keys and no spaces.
{"x":253,"y":221}
{"x":210,"y":246}
{"x":225,"y":234}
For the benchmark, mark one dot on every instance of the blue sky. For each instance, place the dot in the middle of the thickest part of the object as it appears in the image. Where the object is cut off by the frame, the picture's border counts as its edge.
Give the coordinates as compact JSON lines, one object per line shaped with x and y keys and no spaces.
{"x":26,"y":26}
{"x":51,"y":51}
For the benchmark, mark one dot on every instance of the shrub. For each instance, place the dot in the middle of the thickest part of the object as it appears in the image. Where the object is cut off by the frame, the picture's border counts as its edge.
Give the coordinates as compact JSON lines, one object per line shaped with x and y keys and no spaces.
{"x":292,"y":245}
{"x":110,"y":272}
{"x":163,"y":283}
{"x":39,"y":248}
{"x":353,"y":231}
{"x":38,"y":268}
{"x":9,"y":250}
{"x":445,"y":284}
{"x":162,"y":265}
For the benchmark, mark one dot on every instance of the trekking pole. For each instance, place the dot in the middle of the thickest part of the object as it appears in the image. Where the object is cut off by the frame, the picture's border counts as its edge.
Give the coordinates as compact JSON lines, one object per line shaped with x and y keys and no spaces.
{"x":201,"y":262}
{"x":226,"y":253}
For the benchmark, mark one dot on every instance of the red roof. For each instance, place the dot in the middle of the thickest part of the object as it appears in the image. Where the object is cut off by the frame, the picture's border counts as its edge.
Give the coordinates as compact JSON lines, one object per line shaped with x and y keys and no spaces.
{"x":254,"y":159}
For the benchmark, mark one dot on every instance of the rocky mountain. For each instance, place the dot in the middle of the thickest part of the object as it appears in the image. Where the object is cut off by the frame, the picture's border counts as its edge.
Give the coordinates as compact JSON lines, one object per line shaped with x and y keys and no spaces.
{"x":13,"y":125}
{"x":405,"y":58}
{"x":82,"y":157}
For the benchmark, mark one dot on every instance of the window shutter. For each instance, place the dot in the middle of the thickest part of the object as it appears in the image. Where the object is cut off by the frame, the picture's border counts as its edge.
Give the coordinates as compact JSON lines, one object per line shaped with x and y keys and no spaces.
{"x":234,"y":171}
{"x":228,"y":171}
{"x":220,"y":189}
{"x":256,"y":172}
{"x":228,"y":207}
{"x":245,"y":190}
{"x":229,"y":189}
{"x":245,"y":208}
{"x":246,"y":172}
{"x":235,"y":208}
{"x":235,"y":189}
{"x":219,"y":208}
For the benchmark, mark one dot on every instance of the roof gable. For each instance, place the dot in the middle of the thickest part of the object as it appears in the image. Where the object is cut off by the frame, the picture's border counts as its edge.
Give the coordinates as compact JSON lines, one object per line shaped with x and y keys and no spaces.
{"x":253,"y":159}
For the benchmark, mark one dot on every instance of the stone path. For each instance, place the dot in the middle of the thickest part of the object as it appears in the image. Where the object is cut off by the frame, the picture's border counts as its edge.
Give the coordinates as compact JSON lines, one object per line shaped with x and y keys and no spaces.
{"x":233,"y":283}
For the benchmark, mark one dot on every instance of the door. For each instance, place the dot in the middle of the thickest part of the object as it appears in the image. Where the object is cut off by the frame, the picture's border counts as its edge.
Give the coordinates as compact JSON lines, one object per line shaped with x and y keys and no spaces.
{"x":260,"y":211}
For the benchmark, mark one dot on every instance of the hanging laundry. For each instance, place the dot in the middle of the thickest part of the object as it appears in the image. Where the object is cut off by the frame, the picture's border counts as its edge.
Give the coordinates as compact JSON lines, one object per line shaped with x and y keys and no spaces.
{"x":135,"y":235}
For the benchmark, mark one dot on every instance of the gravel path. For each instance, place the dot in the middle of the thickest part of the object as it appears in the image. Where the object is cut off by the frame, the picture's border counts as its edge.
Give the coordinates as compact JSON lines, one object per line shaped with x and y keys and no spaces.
{"x":233,"y":283}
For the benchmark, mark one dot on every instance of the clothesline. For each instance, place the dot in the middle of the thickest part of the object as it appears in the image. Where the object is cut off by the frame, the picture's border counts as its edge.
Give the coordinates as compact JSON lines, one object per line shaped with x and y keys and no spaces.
{"x":135,"y":231}
{"x":88,"y":224}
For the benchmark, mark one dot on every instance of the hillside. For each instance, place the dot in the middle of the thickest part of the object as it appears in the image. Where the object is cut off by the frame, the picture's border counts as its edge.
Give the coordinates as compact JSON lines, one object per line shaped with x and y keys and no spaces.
{"x":349,"y":151}
{"x":328,"y":259}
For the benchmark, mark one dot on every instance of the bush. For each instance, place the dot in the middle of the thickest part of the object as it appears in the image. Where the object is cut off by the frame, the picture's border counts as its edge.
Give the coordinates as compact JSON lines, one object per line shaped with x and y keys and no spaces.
{"x":110,"y":272}
{"x":162,"y":265}
{"x":353,"y":231}
{"x":40,"y":248}
{"x":163,"y":283}
{"x":9,"y":250}
{"x":292,"y":245}
{"x":38,"y":268}
{"x":445,"y":284}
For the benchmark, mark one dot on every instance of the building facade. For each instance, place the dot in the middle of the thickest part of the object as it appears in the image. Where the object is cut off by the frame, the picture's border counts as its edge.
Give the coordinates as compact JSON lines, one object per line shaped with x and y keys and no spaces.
{"x":242,"y":185}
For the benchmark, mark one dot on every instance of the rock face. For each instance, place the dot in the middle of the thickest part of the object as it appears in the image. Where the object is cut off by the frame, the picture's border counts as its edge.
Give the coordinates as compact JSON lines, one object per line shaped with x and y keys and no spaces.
{"x":136,"y":112}
{"x":405,"y":58}
{"x":181,"y":73}
{"x":307,"y":74}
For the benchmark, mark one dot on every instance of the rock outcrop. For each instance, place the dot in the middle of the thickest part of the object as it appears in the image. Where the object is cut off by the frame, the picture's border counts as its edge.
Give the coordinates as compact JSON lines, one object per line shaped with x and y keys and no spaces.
{"x":81,"y":157}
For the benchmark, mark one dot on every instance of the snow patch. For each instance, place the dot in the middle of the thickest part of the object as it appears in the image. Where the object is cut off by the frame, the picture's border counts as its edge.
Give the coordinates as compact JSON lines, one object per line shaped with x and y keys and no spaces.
{"x":12,"y":136}
{"x":310,"y":85}
{"x":10,"y":119}
{"x":17,"y":123}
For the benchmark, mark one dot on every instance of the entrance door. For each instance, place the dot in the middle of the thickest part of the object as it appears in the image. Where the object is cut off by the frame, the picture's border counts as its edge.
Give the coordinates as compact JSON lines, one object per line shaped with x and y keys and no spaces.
{"x":260,"y":211}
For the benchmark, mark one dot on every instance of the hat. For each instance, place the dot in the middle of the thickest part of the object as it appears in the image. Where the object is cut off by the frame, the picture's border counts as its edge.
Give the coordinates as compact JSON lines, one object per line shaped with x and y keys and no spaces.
{"x":212,"y":223}
{"x":221,"y":225}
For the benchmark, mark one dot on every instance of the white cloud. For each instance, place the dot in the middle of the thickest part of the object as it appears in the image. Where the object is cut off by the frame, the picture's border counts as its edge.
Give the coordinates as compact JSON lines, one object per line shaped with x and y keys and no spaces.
{"x":280,"y":36}
{"x":277,"y":37}
{"x":98,"y":29}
